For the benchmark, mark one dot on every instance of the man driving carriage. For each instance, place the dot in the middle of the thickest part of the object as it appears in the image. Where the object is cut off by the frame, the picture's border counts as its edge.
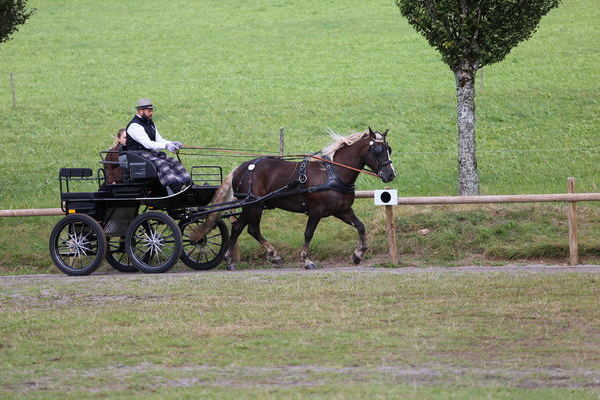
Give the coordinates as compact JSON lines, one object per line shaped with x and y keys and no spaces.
{"x":143,"y":137}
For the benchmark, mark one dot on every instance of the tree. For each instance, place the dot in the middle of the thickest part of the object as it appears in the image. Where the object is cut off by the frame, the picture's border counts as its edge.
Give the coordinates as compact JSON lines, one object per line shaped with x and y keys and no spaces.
{"x":470,"y":34}
{"x":12,"y":14}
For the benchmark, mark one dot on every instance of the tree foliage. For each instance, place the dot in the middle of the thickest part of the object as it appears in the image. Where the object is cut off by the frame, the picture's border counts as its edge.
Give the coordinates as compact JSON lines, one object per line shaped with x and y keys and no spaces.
{"x":474,"y":33}
{"x":12,"y":14}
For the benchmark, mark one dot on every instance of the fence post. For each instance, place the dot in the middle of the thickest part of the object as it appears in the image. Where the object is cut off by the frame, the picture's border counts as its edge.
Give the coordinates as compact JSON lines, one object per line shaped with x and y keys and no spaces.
{"x":13,"y":89}
{"x":281,"y":141}
{"x":391,"y":232}
{"x":572,"y":216}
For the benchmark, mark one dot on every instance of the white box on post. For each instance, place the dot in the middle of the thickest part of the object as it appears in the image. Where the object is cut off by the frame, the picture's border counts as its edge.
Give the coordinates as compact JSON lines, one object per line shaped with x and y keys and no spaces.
{"x":388,"y":197}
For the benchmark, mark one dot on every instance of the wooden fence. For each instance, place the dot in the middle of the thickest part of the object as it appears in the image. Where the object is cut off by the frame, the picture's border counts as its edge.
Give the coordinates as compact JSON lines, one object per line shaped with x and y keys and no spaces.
{"x":571,"y":197}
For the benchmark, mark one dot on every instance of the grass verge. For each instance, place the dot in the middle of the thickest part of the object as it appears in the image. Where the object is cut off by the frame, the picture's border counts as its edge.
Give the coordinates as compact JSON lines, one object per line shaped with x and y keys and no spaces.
{"x":457,"y":235}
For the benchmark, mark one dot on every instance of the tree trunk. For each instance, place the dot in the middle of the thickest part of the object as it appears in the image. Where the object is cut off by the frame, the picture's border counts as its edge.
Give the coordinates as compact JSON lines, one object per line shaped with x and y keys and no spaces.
{"x":468,"y":179}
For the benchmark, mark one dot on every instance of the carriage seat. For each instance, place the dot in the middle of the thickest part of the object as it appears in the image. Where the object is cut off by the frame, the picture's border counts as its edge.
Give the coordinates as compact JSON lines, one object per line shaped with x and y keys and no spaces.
{"x":136,"y":169}
{"x":70,"y":175}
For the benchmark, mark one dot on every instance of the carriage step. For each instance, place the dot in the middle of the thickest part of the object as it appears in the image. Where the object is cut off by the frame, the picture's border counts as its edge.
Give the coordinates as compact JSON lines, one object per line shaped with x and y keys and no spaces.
{"x":83,"y":195}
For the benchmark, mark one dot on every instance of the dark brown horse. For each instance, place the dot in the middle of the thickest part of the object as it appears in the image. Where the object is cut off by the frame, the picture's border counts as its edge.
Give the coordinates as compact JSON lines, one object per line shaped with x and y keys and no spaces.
{"x":316,"y":188}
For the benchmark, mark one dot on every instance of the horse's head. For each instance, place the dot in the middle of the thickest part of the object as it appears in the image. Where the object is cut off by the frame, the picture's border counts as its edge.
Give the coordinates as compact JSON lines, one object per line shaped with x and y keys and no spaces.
{"x":379,"y":154}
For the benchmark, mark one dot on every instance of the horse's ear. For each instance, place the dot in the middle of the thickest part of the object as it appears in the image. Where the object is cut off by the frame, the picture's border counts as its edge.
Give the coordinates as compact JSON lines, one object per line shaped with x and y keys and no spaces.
{"x":385,"y":133}
{"x":371,"y":133}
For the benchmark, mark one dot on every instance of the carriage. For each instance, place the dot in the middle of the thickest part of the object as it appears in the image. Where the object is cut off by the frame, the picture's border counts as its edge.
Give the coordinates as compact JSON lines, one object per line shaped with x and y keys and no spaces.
{"x":136,"y":225}
{"x":123,"y":222}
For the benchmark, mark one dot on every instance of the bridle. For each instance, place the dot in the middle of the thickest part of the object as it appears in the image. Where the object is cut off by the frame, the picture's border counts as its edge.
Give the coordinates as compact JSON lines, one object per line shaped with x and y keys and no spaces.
{"x":373,"y":153}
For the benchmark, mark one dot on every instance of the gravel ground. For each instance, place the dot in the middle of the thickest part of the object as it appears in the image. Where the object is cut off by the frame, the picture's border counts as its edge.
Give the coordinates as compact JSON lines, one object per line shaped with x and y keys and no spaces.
{"x":333,"y":268}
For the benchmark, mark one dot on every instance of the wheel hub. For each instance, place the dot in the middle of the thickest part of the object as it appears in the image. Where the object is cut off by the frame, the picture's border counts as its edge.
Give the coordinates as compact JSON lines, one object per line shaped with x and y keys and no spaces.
{"x":154,"y":242}
{"x":78,"y":244}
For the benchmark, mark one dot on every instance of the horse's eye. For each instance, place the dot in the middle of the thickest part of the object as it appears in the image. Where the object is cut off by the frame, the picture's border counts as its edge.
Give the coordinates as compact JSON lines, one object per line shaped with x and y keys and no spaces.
{"x":390,"y":150}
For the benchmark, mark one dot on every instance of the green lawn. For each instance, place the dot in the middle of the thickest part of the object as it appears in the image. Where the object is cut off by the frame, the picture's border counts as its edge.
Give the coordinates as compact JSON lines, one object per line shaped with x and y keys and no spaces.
{"x":370,"y":334}
{"x":231,"y":73}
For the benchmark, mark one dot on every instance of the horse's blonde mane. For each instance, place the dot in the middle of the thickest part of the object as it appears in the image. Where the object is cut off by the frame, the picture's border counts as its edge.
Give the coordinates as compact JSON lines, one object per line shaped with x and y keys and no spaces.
{"x":340,"y":141}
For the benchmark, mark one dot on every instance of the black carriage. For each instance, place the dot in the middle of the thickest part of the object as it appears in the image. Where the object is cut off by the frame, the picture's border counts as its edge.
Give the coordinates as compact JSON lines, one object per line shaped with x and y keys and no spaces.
{"x":136,"y":225}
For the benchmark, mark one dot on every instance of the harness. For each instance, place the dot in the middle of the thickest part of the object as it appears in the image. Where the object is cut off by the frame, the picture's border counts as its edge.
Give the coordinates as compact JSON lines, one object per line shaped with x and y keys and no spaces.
{"x":334,"y":182}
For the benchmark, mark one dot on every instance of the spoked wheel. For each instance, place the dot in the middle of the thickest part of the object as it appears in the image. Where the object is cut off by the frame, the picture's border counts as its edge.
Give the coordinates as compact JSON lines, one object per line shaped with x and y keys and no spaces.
{"x":153,"y":242}
{"x":77,"y":245}
{"x":207,"y":252}
{"x":116,"y":255}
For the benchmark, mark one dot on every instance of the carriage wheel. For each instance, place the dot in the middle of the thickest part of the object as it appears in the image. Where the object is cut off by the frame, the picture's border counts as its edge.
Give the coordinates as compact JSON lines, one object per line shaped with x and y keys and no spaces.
{"x":116,"y":255}
{"x":77,"y":245}
{"x":207,"y":252}
{"x":153,"y":242}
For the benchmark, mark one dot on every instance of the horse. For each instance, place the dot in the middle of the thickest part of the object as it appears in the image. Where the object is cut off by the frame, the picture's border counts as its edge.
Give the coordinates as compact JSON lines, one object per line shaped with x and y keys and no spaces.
{"x":318,"y":187}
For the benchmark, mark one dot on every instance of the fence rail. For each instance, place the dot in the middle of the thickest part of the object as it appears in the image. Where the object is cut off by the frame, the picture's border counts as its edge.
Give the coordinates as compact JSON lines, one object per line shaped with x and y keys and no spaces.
{"x":517,"y":198}
{"x":31,"y":212}
{"x":368,"y":194}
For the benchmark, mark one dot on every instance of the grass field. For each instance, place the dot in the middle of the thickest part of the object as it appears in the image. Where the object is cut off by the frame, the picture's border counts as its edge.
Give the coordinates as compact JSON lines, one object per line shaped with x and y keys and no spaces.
{"x":225,"y":73}
{"x":337,"y":334}
{"x":230,"y":73}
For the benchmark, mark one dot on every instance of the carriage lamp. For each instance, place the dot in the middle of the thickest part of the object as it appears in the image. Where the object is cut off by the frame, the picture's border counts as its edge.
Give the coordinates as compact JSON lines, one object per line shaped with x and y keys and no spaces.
{"x":387,"y":197}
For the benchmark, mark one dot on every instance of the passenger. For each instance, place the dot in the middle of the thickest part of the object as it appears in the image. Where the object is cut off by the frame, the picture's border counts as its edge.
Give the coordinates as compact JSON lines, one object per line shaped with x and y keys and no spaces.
{"x":144,"y":138}
{"x":114,"y":174}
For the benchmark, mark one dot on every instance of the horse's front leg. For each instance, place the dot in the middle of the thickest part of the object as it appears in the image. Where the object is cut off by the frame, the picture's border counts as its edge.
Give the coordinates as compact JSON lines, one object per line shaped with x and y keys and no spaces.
{"x":311,"y":225}
{"x":351,"y":219}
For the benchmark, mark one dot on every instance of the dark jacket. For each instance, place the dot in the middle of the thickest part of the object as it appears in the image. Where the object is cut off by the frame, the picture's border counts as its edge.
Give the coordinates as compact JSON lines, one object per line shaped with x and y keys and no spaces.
{"x":114,"y":174}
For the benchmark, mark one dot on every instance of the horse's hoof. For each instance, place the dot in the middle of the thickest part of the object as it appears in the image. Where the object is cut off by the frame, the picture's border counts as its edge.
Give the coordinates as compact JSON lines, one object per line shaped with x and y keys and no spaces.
{"x":276,"y":261}
{"x":356,"y":259}
{"x":231,"y":267}
{"x":310,"y":266}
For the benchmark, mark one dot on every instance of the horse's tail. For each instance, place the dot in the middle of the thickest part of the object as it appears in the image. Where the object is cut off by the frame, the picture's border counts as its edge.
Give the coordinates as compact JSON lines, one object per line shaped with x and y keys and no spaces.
{"x":223,"y":194}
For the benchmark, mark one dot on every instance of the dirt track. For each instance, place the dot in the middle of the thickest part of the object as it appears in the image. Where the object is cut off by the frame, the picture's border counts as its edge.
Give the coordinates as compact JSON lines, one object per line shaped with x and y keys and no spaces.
{"x":526,"y":269}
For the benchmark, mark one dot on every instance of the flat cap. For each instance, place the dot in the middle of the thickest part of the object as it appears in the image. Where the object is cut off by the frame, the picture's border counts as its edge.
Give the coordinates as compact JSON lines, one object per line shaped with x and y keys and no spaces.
{"x":143,"y":104}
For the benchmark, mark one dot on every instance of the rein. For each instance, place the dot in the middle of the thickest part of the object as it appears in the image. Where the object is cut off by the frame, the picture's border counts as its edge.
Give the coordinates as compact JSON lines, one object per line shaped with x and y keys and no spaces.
{"x":279,"y":156}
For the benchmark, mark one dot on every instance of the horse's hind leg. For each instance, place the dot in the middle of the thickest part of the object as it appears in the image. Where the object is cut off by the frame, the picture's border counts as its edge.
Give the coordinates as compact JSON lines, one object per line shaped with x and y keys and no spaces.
{"x":253,"y":218}
{"x":351,"y":219}
{"x":236,"y":228}
{"x":311,"y":225}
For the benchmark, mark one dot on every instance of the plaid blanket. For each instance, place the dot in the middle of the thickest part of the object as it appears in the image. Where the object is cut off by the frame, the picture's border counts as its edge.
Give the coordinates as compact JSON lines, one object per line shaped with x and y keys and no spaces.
{"x":170,"y":171}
